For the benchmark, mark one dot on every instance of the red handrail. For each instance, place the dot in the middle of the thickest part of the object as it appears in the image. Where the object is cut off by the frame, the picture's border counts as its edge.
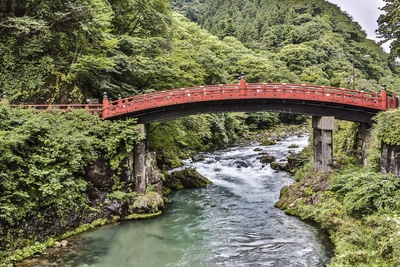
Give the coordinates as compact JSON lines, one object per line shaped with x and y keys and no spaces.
{"x":242,"y":90}
{"x":245,"y":90}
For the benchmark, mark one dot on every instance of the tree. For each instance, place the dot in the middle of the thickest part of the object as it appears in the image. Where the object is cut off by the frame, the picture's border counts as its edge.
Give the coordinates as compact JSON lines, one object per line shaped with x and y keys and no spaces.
{"x":389,"y":26}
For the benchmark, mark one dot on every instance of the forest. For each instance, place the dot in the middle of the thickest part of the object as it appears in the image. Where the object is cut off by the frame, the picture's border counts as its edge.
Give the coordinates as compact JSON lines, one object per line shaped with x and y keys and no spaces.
{"x":69,"y":51}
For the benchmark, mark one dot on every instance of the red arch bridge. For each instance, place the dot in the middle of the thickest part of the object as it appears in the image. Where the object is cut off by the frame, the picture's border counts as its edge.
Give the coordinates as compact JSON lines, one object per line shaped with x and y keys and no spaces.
{"x":322,"y":102}
{"x":313,"y":100}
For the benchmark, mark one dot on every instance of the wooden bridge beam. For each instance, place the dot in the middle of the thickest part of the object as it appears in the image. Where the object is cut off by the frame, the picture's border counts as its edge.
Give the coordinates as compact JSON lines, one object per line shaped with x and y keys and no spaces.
{"x":323,"y":142}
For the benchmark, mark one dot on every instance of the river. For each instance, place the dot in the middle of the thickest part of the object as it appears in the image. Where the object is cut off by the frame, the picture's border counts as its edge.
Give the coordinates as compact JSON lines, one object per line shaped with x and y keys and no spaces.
{"x":232,"y":222}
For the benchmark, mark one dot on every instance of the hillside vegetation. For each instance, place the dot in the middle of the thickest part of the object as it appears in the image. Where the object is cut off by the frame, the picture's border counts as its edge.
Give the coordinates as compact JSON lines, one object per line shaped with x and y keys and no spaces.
{"x":314,"y":39}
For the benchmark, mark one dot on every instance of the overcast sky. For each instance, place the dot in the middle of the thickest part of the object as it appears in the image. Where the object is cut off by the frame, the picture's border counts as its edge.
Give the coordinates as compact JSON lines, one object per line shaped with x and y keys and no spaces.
{"x":365,"y":12}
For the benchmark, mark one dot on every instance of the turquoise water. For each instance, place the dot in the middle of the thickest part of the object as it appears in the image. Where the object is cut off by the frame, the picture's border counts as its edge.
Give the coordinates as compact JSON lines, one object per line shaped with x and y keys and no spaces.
{"x":232,"y":222}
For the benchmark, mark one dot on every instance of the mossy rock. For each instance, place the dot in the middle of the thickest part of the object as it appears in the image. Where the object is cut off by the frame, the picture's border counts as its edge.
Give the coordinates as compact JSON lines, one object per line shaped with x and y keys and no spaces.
{"x":149,"y":203}
{"x":293,"y":146}
{"x":267,"y":159}
{"x":268,"y":142}
{"x":274,"y":165}
{"x":279,"y":166}
{"x":187,"y":178}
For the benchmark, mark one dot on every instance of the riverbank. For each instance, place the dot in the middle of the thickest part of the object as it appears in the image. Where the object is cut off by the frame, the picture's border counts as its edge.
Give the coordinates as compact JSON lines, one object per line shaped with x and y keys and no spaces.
{"x":357,"y":205}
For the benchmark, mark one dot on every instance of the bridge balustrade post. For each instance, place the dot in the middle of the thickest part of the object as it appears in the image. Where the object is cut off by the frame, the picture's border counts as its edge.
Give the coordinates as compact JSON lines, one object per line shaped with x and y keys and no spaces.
{"x":140,"y":163}
{"x":323,"y":142}
{"x":242,"y":84}
{"x":384,"y":97}
{"x":119,"y":103}
{"x":4,"y":98}
{"x":105,"y":106}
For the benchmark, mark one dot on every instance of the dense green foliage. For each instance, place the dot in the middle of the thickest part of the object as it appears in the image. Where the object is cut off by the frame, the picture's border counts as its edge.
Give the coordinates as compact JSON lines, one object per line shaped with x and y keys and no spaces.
{"x":43,"y":161}
{"x":366,"y":193}
{"x":387,"y":128}
{"x":389,"y":28}
{"x":313,"y":39}
{"x":60,"y":51}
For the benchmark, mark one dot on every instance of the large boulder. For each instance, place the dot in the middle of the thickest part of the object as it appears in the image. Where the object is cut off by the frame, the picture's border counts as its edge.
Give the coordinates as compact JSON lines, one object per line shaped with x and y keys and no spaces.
{"x":187,"y":178}
{"x":149,"y":203}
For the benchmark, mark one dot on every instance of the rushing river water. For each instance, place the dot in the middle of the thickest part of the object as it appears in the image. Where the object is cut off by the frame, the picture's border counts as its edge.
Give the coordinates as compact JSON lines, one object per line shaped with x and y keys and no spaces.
{"x":232,"y":222}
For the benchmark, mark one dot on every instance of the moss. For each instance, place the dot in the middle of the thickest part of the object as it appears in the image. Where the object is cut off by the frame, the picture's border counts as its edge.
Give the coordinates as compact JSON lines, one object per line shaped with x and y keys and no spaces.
{"x":309,"y":191}
{"x":117,"y":195}
{"x":143,"y":216}
{"x":166,"y":191}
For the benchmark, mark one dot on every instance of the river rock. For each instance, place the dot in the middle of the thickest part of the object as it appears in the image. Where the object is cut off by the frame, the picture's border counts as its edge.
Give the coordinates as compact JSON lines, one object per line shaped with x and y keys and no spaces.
{"x":115,"y":207}
{"x":293,"y":146}
{"x":64,"y":243}
{"x":187,"y":178}
{"x":279,"y":166}
{"x":57,"y":244}
{"x":268,"y":142}
{"x":149,"y":203}
{"x":258,"y":149}
{"x":198,"y":157}
{"x":240,"y":164}
{"x":267,"y":158}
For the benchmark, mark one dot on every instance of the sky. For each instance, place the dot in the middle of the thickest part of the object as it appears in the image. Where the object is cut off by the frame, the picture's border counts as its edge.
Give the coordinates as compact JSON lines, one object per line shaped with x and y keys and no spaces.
{"x":365,"y":12}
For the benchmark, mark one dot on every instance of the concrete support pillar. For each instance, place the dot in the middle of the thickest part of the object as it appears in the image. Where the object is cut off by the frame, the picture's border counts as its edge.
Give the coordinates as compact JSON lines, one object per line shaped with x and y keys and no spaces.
{"x":323,"y":142}
{"x":140,"y":163}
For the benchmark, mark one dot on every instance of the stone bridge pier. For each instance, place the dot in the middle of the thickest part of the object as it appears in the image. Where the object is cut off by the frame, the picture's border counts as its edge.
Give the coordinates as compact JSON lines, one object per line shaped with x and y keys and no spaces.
{"x":145,"y":170}
{"x":140,"y":161}
{"x":323,"y":142}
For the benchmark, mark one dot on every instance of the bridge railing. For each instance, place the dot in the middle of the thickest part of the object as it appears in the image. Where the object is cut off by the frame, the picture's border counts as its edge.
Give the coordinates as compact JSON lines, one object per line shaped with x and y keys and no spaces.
{"x":242,"y":90}
{"x":249,"y":91}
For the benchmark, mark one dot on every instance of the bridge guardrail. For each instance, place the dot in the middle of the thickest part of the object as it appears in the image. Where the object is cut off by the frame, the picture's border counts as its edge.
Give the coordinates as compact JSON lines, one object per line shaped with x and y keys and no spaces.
{"x":250,"y":91}
{"x":242,"y":90}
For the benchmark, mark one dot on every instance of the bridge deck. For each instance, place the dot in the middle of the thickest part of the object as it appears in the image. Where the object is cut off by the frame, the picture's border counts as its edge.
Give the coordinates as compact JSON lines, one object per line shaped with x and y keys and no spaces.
{"x":233,"y":92}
